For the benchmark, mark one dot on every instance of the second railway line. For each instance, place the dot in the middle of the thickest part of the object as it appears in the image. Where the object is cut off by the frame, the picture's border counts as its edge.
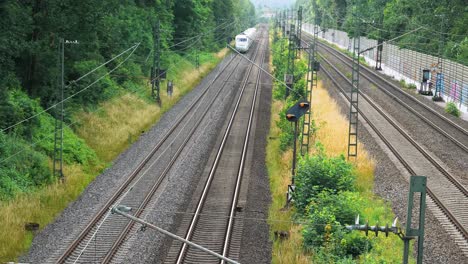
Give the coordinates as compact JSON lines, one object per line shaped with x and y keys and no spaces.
{"x":447,"y":196}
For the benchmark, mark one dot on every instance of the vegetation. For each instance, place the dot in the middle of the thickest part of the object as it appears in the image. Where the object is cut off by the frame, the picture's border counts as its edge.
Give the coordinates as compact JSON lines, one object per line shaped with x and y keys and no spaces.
{"x":452,"y":109}
{"x":329,"y":193}
{"x":108,"y":130}
{"x":103,"y":120}
{"x":96,"y":31}
{"x":386,"y":19}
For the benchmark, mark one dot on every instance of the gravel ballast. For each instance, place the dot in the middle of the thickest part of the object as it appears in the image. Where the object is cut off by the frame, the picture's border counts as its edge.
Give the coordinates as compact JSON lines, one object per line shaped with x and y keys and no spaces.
{"x":391,"y":184}
{"x":71,"y":221}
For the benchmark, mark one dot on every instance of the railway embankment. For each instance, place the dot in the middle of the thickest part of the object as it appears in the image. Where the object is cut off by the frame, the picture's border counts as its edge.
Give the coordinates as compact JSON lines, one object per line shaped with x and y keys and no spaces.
{"x":107,"y":130}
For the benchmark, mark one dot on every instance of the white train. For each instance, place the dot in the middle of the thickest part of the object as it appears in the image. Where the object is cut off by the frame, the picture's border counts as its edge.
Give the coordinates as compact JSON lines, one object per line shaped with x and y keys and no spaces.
{"x":245,"y":39}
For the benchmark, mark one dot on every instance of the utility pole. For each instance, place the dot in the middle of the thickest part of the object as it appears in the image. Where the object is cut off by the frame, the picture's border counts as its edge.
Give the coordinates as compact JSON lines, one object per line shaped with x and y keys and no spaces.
{"x":289,"y":78}
{"x":353,"y":108}
{"x":156,"y":69}
{"x":418,"y":184}
{"x":299,"y":28}
{"x":311,"y":84}
{"x":197,"y":58}
{"x":283,"y":23}
{"x":437,"y":96}
{"x":59,"y":113}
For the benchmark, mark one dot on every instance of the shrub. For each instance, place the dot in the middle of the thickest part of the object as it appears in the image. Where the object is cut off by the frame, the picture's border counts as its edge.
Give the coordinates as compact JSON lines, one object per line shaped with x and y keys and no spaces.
{"x":318,"y":173}
{"x":344,"y":205}
{"x":452,"y":109}
{"x":411,"y":86}
{"x":402,"y":83}
{"x":320,"y":227}
{"x":24,"y":169}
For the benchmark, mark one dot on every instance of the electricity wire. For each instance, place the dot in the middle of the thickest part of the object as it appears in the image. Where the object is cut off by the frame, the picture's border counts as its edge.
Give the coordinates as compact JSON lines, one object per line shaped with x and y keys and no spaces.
{"x":133,"y":48}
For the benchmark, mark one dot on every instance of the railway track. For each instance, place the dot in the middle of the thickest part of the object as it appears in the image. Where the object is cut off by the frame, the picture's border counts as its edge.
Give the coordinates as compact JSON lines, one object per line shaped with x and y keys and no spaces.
{"x":447,"y":198}
{"x":103,"y":235}
{"x":439,"y":122}
{"x":214,"y":219}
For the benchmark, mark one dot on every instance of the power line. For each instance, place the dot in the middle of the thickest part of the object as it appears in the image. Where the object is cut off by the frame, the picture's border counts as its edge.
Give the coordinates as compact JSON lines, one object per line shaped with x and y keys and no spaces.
{"x":73,"y":123}
{"x":133,"y":48}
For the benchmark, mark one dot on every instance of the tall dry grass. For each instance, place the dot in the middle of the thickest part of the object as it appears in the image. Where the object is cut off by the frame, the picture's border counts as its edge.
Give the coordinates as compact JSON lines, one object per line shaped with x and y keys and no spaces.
{"x":121,"y":121}
{"x":333,"y":134}
{"x":108,"y":131}
{"x":41,"y":207}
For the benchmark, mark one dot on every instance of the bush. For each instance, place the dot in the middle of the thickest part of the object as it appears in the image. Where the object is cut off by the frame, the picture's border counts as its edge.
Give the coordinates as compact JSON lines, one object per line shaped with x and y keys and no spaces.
{"x":24,"y":169}
{"x":452,"y":109}
{"x":319,"y":173}
{"x":320,"y":228}
{"x":344,"y":205}
{"x":411,"y":86}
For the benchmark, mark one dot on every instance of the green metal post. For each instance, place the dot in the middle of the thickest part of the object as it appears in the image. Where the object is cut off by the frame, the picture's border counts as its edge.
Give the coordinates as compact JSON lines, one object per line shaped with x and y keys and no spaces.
{"x":417,"y":184}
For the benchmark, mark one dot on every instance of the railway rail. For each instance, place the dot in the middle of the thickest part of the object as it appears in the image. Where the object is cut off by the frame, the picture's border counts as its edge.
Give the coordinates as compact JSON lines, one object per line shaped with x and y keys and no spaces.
{"x":103,"y":235}
{"x":446,"y":196}
{"x":439,"y":122}
{"x":215,"y":219}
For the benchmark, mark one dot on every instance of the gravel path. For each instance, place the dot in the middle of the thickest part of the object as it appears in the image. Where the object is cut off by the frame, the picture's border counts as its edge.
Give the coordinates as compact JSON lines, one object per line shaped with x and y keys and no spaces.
{"x":390,"y":183}
{"x":78,"y":213}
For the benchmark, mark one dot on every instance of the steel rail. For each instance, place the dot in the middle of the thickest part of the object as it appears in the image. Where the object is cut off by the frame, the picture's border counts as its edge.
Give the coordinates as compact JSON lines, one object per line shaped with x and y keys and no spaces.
{"x":400,"y":101}
{"x":241,"y":167}
{"x":450,"y":177}
{"x":214,"y":167}
{"x":133,"y":175}
{"x":442,"y":207}
{"x":150,"y":194}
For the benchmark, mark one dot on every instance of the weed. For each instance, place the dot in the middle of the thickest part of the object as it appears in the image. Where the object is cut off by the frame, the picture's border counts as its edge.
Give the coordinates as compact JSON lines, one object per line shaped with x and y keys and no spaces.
{"x":452,"y":109}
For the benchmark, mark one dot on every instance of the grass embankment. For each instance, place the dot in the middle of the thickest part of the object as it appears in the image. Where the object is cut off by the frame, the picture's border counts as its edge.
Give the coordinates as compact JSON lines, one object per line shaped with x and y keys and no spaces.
{"x":332,"y":133}
{"x":109,"y":130}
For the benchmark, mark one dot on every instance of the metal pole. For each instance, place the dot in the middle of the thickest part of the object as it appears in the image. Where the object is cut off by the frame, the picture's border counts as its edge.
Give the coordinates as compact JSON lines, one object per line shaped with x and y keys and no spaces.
{"x":59,"y":114}
{"x":293,"y":171}
{"x":133,"y":218}
{"x":156,"y":71}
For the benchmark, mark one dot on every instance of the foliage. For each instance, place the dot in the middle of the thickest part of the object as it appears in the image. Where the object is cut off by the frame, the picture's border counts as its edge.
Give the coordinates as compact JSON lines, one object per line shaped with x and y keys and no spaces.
{"x":436,"y":21}
{"x":24,"y":170}
{"x":326,"y":217}
{"x":103,"y":29}
{"x":452,"y":109}
{"x":321,"y":173}
{"x":280,"y":53}
{"x":99,"y":31}
{"x":25,"y":166}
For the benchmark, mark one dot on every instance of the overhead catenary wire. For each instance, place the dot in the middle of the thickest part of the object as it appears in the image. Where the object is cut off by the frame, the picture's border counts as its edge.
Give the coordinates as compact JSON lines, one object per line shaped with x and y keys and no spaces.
{"x":261,"y":68}
{"x":130,"y":188}
{"x":132,"y":49}
{"x":77,"y":121}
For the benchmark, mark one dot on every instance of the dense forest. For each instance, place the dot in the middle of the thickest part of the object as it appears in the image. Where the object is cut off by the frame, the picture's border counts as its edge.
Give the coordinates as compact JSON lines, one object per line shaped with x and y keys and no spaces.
{"x":95,"y":32}
{"x":437,"y":21}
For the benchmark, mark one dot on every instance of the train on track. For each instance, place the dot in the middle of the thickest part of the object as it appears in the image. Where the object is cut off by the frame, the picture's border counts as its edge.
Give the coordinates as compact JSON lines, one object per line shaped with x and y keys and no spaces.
{"x":245,"y":39}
